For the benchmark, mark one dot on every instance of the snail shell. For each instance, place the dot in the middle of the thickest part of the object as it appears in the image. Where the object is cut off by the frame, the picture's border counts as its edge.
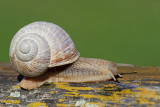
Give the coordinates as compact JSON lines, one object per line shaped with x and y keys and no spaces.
{"x":39,"y":46}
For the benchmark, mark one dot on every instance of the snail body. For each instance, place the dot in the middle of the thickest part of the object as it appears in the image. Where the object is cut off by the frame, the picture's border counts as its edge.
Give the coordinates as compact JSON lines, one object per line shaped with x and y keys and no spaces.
{"x":44,"y":52}
{"x":81,"y":71}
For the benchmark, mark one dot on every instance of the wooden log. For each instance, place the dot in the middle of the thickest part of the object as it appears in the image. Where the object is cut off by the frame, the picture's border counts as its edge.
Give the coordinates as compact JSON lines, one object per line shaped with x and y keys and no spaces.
{"x":139,"y":86}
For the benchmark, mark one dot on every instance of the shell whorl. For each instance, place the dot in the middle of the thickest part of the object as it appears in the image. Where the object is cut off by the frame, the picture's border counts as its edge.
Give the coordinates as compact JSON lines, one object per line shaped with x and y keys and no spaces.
{"x":40,"y":45}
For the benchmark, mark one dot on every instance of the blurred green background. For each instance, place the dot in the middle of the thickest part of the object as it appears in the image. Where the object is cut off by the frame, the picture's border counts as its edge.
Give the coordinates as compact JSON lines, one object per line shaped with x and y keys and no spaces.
{"x":124,"y":31}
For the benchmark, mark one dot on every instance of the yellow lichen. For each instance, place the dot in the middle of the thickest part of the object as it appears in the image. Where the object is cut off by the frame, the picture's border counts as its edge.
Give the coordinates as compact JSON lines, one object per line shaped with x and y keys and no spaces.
{"x":10,"y":96}
{"x":61,"y":105}
{"x":37,"y":104}
{"x":142,"y":95}
{"x":61,"y":100}
{"x":73,"y":91}
{"x":52,"y":92}
{"x":16,"y":86}
{"x":10,"y":101}
{"x":66,"y":86}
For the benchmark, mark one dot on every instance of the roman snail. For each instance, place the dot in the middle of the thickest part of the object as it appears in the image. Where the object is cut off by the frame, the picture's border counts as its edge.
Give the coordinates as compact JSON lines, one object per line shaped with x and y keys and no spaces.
{"x":44,"y":52}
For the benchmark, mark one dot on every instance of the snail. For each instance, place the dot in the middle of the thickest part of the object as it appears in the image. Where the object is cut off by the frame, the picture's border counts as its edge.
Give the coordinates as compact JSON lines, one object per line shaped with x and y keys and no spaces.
{"x":44,"y":52}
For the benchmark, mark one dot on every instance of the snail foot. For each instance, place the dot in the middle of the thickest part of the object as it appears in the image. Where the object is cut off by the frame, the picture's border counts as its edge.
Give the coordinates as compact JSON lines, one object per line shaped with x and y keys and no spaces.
{"x":31,"y":83}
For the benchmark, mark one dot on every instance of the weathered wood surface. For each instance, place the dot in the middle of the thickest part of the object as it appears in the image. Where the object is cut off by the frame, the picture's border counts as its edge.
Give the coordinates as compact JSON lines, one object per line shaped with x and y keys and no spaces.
{"x":140,"y":86}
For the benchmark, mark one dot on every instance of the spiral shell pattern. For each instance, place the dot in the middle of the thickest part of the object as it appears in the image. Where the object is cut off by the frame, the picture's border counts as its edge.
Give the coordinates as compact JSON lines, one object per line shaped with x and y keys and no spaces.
{"x":41,"y":45}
